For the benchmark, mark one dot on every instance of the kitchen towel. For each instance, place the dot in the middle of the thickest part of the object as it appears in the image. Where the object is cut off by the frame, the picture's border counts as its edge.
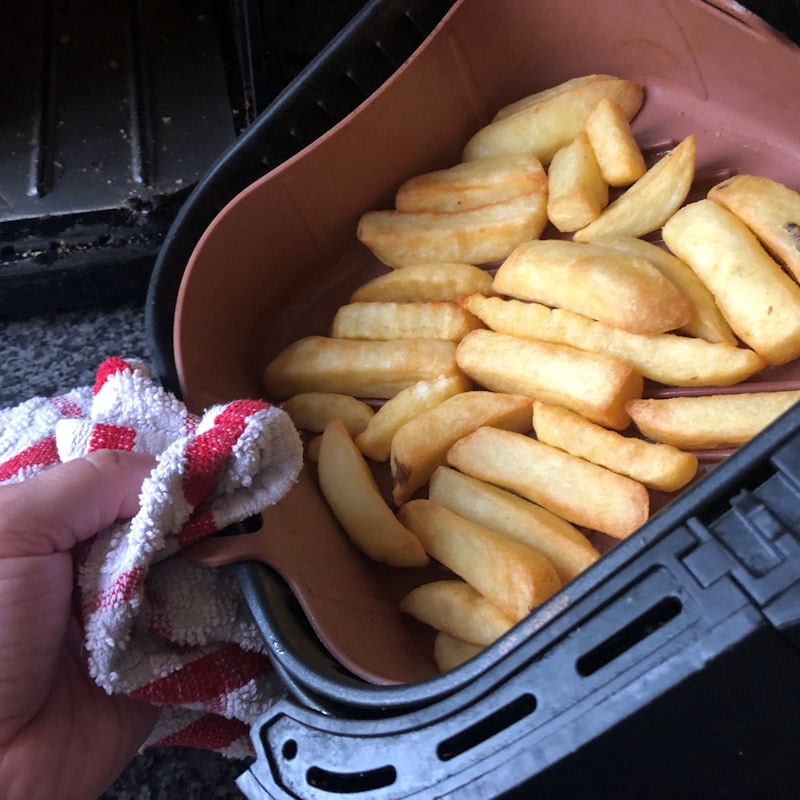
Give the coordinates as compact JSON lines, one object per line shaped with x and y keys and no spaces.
{"x":158,"y":627}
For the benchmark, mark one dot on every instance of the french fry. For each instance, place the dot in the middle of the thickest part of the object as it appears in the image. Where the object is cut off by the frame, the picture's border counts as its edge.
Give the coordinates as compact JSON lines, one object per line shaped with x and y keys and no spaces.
{"x":596,"y":385}
{"x":416,"y":320}
{"x":666,"y":358}
{"x":578,"y":192}
{"x":657,"y":466}
{"x":312,"y":411}
{"x":544,"y":122}
{"x":759,"y":300}
{"x":359,"y":368}
{"x":350,"y":490}
{"x":421,"y":445}
{"x":646,"y":205}
{"x":619,"y":158}
{"x":440,"y":282}
{"x":449,"y":652}
{"x":455,"y":607}
{"x":706,"y":320}
{"x":709,"y":421}
{"x":510,"y":575}
{"x":475,"y":236}
{"x":770,"y":209}
{"x":472,"y":184}
{"x":586,"y":494}
{"x":567,"y":549}
{"x":622,"y":290}
{"x":375,"y":440}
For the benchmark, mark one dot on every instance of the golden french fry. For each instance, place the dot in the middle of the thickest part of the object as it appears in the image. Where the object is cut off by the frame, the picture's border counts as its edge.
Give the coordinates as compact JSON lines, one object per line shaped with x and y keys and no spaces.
{"x":510,"y":575}
{"x":457,"y":608}
{"x":709,"y":421}
{"x":665,"y":357}
{"x":449,"y":652}
{"x":759,"y":300}
{"x":543,"y":122}
{"x":618,"y":155}
{"x":312,"y":411}
{"x":578,"y":191}
{"x":360,"y":368}
{"x":622,"y":290}
{"x":421,"y":445}
{"x":647,"y":204}
{"x":567,"y":549}
{"x":473,"y":183}
{"x":440,"y":282}
{"x":657,"y":466}
{"x":706,"y":320}
{"x":770,"y":209}
{"x":476,"y":236}
{"x":375,"y":440}
{"x":416,"y":320}
{"x":596,"y":385}
{"x":352,"y":494}
{"x":586,"y":494}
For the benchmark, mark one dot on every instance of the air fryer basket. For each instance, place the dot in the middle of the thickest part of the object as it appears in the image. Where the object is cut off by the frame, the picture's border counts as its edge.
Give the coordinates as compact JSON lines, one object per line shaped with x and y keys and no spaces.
{"x":676,"y":620}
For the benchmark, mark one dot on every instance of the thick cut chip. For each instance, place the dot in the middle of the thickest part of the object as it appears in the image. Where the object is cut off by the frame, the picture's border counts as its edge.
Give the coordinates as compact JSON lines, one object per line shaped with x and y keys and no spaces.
{"x":618,"y":155}
{"x":657,"y":466}
{"x":770,"y":209}
{"x":622,"y":290}
{"x":375,"y":441}
{"x":421,"y":445}
{"x":428,"y":283}
{"x":706,"y":320}
{"x":709,"y":421}
{"x":569,"y":551}
{"x":416,"y":320}
{"x":473,"y":183}
{"x":476,"y":236}
{"x":544,"y":122}
{"x":350,"y":490}
{"x":666,"y":357}
{"x":510,"y":575}
{"x":596,"y":385}
{"x":651,"y":201}
{"x":586,"y":494}
{"x":458,"y":609}
{"x":360,"y":368}
{"x":449,"y":652}
{"x":759,"y":300}
{"x":312,"y":411}
{"x":578,"y":191}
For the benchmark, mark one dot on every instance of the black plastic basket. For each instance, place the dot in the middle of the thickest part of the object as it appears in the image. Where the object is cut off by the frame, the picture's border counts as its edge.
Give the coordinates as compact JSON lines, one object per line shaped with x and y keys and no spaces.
{"x":670,"y":669}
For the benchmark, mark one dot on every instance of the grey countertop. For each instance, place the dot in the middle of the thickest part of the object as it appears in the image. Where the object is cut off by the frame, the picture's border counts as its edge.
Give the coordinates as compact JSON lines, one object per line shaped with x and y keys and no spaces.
{"x":51,"y":354}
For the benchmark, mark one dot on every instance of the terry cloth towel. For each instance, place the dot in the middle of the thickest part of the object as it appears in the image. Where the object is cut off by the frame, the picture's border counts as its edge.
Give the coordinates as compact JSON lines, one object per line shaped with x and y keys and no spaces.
{"x":157,"y":627}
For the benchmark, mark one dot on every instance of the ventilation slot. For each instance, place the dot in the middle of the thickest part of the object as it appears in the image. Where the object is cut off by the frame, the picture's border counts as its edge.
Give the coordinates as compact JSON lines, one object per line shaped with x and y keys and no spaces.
{"x":487,"y":727}
{"x":351,"y":782}
{"x":629,"y":636}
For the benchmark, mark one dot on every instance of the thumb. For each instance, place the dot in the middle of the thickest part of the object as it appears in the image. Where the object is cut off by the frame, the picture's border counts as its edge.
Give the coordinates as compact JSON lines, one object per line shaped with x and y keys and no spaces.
{"x":70,"y":502}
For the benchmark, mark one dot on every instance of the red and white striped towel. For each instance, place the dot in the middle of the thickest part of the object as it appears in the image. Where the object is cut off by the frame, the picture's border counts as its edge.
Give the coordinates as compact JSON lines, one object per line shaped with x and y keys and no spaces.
{"x":158,"y":627}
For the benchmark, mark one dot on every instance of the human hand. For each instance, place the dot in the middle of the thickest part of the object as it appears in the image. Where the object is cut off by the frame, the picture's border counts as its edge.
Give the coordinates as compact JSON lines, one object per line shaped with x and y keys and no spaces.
{"x":60,"y":734}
